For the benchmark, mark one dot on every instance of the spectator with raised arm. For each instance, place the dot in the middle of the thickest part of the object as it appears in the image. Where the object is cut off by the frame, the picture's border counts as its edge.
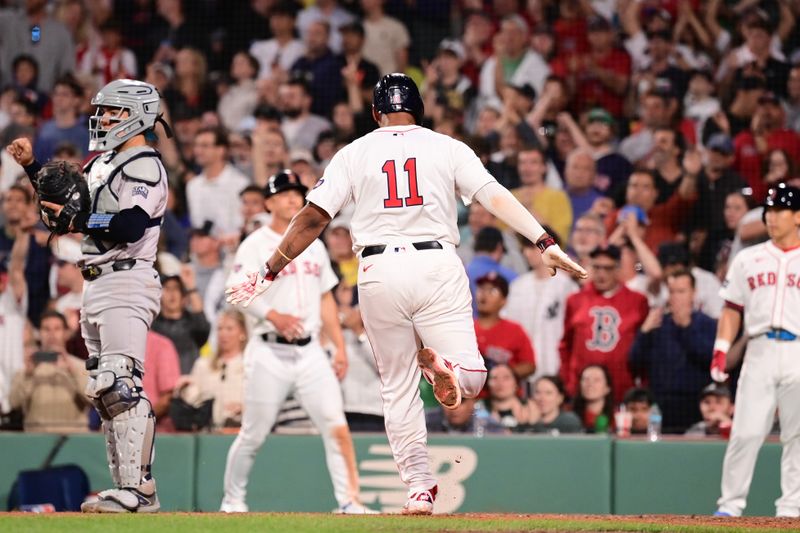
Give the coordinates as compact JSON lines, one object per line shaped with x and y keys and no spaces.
{"x":673,"y":351}
{"x":504,"y":402}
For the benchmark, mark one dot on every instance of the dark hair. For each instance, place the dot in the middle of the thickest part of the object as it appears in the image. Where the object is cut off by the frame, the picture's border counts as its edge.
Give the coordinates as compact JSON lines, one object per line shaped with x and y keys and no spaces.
{"x":533,"y":148}
{"x":488,"y":239}
{"x":579,"y":404}
{"x":23,"y":189}
{"x":28,"y":105}
{"x":54,"y":314}
{"x":299,"y":81}
{"x":677,"y":137}
{"x":254,"y":64}
{"x":684,"y":272}
{"x":65,"y":149}
{"x":638,"y":395}
{"x":252,"y":188}
{"x":558,"y":383}
{"x":219,"y":133}
{"x":647,"y":172}
{"x":791,"y":172}
{"x":25,"y":58}
{"x":69,"y":81}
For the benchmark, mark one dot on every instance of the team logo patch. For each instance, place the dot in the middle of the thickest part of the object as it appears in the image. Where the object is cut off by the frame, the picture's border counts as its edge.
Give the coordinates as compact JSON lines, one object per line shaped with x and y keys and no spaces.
{"x":396,"y":96}
{"x":320,"y":182}
{"x":140,"y":190}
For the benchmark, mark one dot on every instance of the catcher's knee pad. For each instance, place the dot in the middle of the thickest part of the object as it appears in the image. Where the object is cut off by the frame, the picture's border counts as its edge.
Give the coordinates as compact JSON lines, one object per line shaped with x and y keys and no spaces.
{"x":114,"y":386}
{"x":129,"y":439}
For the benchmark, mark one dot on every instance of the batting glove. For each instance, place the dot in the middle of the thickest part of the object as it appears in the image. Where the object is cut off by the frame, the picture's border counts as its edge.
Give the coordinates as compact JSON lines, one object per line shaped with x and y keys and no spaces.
{"x":553,"y":258}
{"x":247,"y":291}
{"x":718,"y":363}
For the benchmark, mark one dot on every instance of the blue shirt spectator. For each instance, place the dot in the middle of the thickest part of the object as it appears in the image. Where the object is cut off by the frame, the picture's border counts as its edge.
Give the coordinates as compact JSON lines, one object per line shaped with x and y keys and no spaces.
{"x":489,"y":251}
{"x":674,"y":351}
{"x":67,"y":124}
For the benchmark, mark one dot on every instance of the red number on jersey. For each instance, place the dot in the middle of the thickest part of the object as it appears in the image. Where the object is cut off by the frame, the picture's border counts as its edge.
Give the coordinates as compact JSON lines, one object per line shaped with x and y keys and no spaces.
{"x":393,"y":199}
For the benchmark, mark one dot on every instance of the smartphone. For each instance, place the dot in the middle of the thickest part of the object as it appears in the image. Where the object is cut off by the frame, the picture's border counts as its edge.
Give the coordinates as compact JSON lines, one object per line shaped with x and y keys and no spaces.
{"x":45,"y":357}
{"x":36,"y":34}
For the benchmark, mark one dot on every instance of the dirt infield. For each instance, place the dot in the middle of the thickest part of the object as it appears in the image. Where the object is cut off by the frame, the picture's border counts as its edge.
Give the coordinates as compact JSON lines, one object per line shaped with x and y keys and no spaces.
{"x":656,"y":519}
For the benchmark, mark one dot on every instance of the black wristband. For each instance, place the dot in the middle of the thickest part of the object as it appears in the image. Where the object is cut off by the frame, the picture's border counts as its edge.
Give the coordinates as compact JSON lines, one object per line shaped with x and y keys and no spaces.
{"x":544,"y":242}
{"x":79,"y":222}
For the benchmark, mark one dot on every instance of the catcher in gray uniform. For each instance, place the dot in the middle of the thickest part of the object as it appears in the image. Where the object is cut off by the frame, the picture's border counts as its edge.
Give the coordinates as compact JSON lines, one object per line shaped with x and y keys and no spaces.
{"x":117,"y":203}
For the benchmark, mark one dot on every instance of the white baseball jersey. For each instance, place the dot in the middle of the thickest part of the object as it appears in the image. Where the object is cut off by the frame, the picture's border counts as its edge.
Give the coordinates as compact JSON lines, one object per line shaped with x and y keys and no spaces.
{"x":541,"y":316}
{"x":12,"y":329}
{"x":402,"y":180}
{"x":765,"y":281}
{"x":297,"y":289}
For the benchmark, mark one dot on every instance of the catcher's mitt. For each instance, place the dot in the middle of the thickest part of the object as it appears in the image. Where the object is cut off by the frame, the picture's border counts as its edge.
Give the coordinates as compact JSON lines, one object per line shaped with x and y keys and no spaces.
{"x":62,"y":183}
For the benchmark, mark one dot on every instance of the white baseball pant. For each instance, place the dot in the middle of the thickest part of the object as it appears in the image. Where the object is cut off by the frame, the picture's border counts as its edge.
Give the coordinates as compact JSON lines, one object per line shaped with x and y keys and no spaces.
{"x":770,"y":378}
{"x":272,"y":371}
{"x":411,"y":298}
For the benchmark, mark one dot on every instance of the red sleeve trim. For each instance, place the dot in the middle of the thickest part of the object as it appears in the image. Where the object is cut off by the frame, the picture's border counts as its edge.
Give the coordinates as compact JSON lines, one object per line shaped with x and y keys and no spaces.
{"x":735,"y":307}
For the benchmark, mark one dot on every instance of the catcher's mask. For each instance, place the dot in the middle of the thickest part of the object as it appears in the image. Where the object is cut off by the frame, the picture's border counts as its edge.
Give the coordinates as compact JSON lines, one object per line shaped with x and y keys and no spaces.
{"x":135,"y":109}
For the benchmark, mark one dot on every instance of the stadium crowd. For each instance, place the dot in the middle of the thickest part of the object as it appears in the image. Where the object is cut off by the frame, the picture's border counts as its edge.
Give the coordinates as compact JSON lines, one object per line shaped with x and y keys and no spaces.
{"x":643,"y":133}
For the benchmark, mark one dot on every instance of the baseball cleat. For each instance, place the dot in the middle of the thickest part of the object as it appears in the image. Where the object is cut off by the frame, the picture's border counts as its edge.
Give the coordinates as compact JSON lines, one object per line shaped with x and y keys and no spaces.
{"x":230,"y":506}
{"x":421,"y":503}
{"x":722,"y":513}
{"x":354,"y":508}
{"x":439,"y":373}
{"x":127,"y":500}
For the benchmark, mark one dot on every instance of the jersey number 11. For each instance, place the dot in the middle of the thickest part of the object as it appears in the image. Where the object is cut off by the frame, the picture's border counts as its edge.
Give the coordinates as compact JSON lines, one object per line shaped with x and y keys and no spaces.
{"x":413,"y":197}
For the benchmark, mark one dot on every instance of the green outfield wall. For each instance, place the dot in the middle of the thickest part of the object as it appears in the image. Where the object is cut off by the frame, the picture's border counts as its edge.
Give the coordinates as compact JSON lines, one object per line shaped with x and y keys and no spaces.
{"x":522,"y":474}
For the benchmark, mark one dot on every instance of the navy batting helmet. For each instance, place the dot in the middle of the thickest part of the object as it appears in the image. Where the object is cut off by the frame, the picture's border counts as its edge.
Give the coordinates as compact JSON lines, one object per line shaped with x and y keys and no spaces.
{"x":396,"y":93}
{"x":284,"y":180}
{"x":782,"y":197}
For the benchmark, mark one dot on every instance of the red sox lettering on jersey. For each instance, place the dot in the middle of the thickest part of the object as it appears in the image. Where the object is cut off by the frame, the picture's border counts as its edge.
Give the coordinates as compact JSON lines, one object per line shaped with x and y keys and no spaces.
{"x":765,"y":280}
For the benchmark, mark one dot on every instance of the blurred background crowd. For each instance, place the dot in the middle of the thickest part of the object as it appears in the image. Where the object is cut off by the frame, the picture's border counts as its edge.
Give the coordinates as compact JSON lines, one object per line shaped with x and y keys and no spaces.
{"x":643,"y":133}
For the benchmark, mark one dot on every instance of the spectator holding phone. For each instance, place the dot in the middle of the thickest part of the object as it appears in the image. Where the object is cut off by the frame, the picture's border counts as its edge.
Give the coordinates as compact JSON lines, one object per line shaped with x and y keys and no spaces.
{"x":49,"y":391}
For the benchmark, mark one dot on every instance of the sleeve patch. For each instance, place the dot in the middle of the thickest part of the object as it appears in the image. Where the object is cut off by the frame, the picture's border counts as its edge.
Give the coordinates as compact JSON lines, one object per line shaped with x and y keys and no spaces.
{"x":140,"y":190}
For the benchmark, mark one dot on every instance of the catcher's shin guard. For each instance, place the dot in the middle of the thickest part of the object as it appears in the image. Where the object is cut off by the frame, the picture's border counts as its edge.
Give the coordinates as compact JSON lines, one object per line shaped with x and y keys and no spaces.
{"x":115,"y":389}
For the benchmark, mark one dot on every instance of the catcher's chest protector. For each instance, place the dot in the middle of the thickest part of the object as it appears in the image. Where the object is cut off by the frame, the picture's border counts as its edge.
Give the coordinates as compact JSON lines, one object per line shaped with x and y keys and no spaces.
{"x":104,"y":176}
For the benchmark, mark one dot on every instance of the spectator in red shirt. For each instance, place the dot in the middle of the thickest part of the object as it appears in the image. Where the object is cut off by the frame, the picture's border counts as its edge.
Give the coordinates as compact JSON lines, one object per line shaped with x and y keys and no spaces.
{"x":161,"y":373}
{"x":600,"y":324}
{"x":598,"y":78}
{"x":767,"y":132}
{"x":501,"y":341}
{"x":664,"y":220}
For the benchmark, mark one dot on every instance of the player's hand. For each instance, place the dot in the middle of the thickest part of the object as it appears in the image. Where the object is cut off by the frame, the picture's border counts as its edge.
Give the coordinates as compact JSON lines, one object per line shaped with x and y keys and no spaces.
{"x":21,"y":150}
{"x":339,"y":364}
{"x":247,"y":291}
{"x":718,"y":364}
{"x":554,"y":258}
{"x":288,"y":326}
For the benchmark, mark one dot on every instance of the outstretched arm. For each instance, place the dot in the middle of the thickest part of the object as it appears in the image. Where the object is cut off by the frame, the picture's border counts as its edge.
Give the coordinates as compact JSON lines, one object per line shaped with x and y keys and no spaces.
{"x":305,"y":227}
{"x":502,"y":204}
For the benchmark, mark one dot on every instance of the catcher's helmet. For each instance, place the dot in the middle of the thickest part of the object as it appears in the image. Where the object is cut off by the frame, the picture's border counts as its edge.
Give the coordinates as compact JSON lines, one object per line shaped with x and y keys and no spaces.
{"x":285,"y":180}
{"x":782,"y":196}
{"x":396,"y":93}
{"x":142,"y":102}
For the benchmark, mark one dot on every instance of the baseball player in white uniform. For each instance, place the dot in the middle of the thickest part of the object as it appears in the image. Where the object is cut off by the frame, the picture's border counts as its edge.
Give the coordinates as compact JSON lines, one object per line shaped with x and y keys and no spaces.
{"x":413,"y":291}
{"x":284,"y":354}
{"x":763,"y":283}
{"x":127,"y":188}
